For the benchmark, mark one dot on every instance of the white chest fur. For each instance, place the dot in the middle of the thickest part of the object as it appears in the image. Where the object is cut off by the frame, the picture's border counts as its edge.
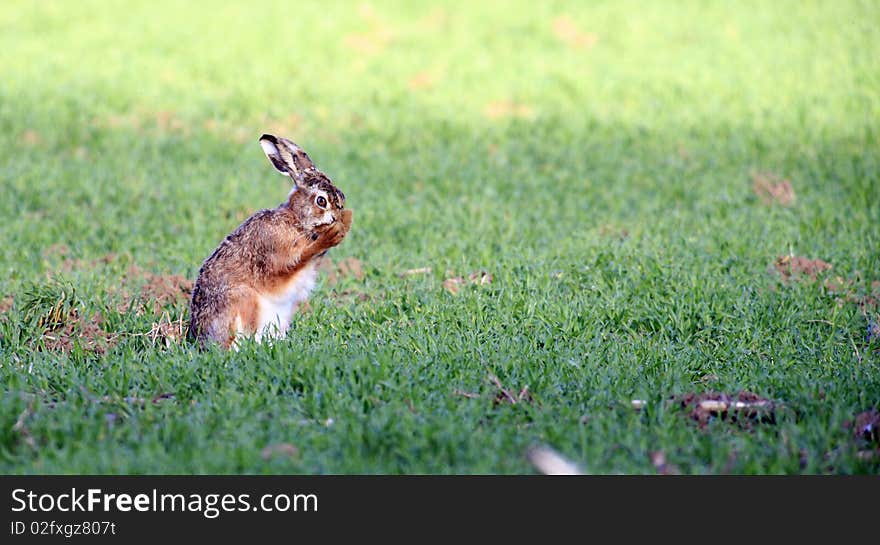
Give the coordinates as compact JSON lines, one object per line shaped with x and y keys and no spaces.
{"x":276,"y":309}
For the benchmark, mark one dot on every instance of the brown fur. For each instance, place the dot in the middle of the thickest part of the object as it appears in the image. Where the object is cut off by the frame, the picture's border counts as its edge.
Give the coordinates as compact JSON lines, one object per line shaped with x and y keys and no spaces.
{"x":265,"y":254}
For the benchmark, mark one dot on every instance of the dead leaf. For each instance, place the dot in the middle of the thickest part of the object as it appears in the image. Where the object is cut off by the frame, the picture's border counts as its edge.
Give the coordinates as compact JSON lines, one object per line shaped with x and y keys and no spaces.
{"x":413,"y":272}
{"x":550,"y":462}
{"x":462,"y":393}
{"x":479,"y":278}
{"x":168,"y":121}
{"x":566,"y":30}
{"x":744,"y":408}
{"x":503,"y":395}
{"x":796,"y":267}
{"x":421,"y":81}
{"x":506,"y":108}
{"x":285,"y":450}
{"x":772,"y":189}
{"x":613,"y":231}
{"x":31,"y":137}
{"x":452,"y":284}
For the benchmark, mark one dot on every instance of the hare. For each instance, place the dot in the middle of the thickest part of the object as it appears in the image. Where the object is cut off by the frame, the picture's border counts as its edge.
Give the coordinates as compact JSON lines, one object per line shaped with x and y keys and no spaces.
{"x":253,"y":282}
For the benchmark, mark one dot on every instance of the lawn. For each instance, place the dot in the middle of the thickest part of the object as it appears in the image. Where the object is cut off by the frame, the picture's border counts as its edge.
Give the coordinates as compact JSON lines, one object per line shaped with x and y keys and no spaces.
{"x":616,"y":201}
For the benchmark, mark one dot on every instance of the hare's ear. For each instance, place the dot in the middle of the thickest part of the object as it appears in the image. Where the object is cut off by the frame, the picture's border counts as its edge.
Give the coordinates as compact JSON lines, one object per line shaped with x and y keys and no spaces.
{"x":286,"y":157}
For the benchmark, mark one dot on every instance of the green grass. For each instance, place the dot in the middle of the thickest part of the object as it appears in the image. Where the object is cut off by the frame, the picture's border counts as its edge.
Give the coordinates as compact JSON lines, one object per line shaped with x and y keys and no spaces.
{"x":467,"y":137}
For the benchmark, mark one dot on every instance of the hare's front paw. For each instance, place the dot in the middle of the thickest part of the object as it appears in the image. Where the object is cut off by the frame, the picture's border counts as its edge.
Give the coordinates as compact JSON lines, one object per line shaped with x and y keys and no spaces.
{"x":331,"y":235}
{"x":345,"y":219}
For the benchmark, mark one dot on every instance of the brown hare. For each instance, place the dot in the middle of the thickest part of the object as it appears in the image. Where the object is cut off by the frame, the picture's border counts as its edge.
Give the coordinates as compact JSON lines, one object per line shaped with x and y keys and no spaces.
{"x":253,"y":282}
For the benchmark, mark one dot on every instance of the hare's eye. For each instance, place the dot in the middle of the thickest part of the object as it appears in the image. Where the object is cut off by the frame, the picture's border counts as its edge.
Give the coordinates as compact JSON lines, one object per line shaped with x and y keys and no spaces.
{"x":321,"y":201}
